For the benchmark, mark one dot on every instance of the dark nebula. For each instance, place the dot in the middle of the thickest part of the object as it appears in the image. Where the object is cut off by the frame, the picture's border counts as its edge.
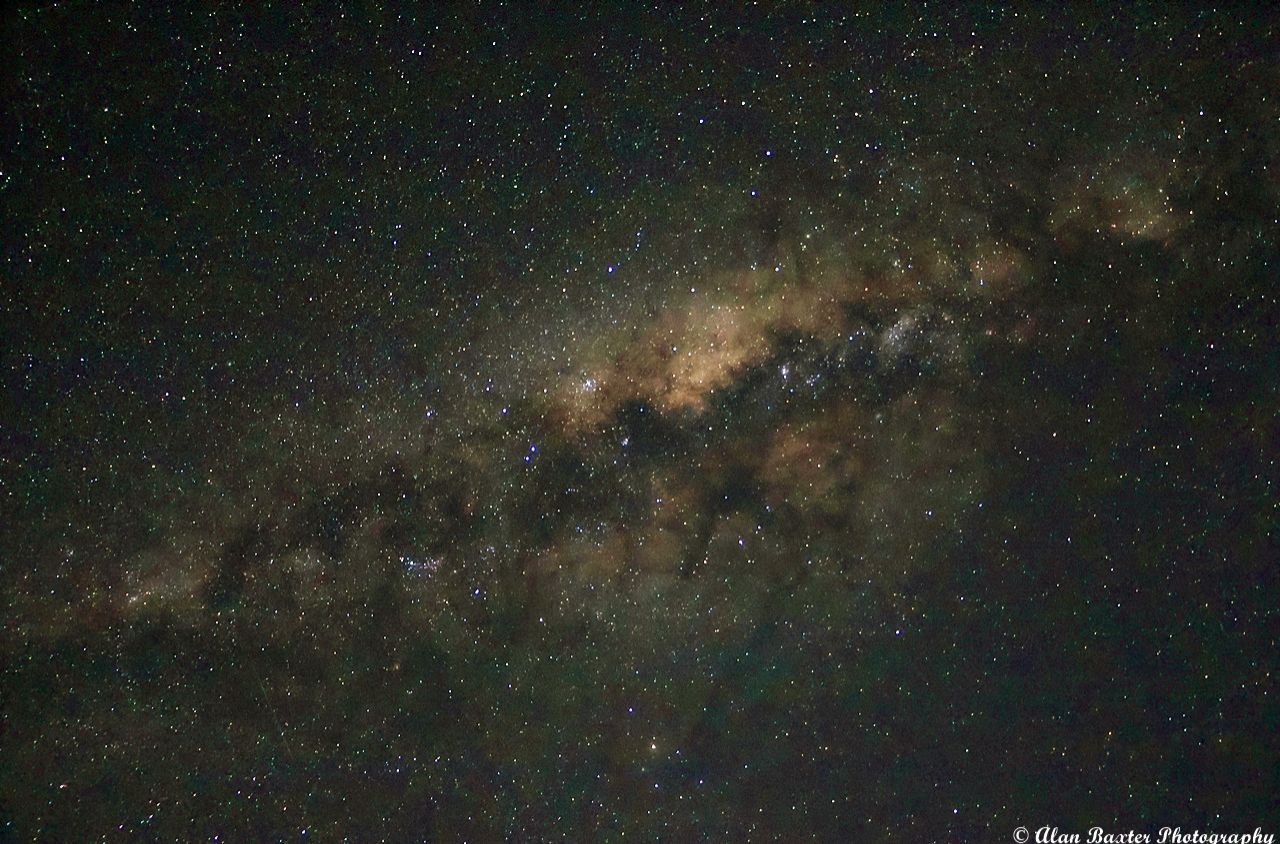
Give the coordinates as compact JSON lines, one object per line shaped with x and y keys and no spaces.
{"x":778,"y":423}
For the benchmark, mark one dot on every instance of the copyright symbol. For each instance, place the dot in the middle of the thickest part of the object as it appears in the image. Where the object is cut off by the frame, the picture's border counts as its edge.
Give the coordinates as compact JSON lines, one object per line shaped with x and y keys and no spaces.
{"x":1021,"y":835}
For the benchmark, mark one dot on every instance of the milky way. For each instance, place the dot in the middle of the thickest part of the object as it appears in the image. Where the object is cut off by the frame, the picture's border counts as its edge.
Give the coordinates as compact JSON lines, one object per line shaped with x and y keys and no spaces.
{"x":764,"y":425}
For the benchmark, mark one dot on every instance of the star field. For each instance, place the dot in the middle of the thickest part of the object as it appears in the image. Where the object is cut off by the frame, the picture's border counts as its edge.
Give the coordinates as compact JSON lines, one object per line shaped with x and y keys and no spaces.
{"x":504,"y":423}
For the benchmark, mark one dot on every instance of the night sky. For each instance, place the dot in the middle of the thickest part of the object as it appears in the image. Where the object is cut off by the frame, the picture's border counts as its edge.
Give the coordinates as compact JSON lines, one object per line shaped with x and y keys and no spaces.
{"x":505,"y":423}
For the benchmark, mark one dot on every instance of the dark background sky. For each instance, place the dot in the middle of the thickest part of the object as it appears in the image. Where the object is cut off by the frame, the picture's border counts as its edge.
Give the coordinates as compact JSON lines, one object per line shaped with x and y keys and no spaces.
{"x":503,"y":422}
